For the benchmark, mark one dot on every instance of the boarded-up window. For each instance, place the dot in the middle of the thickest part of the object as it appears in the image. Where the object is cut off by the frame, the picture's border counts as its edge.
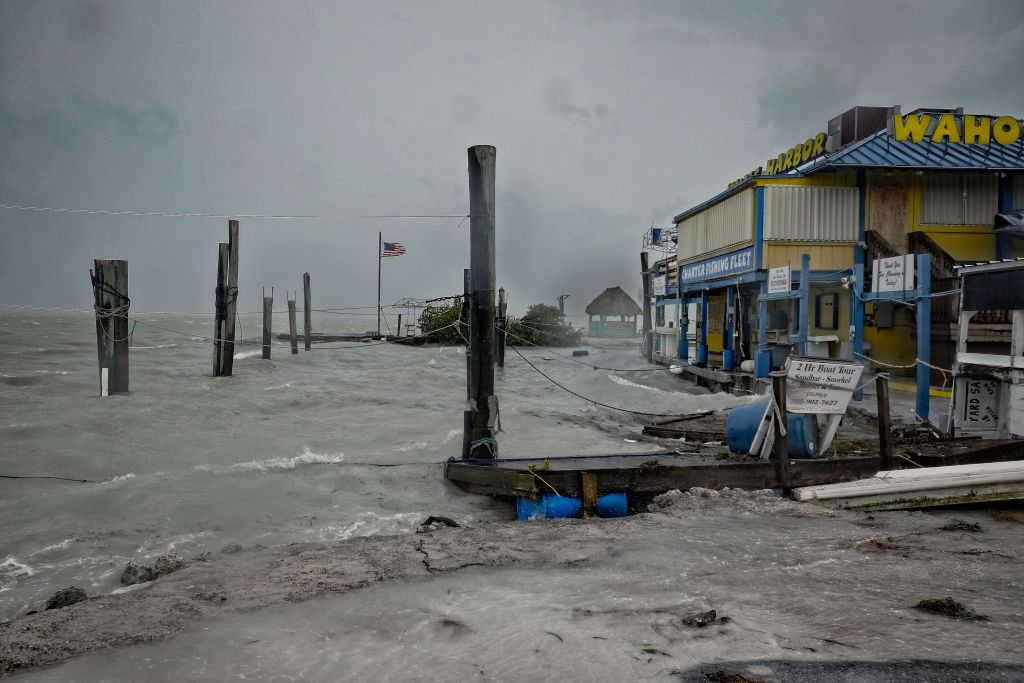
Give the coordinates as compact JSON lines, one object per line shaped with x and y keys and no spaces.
{"x":810,"y":214}
{"x":727,"y":223}
{"x":959,"y":198}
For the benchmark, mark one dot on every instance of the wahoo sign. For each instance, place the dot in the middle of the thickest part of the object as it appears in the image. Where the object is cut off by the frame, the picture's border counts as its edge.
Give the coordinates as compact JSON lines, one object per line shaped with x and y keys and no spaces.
{"x":726,"y":264}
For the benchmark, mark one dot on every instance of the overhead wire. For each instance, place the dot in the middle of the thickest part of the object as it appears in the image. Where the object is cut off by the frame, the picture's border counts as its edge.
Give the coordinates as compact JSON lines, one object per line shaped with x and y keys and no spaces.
{"x":196,"y":214}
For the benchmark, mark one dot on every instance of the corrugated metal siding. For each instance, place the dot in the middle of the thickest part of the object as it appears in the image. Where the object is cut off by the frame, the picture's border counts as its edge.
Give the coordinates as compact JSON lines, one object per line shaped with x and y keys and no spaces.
{"x":810,"y":214}
{"x":1018,"y":192}
{"x":959,"y":198}
{"x":723,"y":225}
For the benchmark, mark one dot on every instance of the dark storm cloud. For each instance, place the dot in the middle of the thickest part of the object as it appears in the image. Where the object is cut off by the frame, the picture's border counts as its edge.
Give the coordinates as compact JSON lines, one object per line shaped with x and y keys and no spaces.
{"x":606,"y":115}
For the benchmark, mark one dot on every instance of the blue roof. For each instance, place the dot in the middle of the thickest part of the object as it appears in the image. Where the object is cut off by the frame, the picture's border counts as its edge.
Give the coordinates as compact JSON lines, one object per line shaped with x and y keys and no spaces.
{"x":882,"y":151}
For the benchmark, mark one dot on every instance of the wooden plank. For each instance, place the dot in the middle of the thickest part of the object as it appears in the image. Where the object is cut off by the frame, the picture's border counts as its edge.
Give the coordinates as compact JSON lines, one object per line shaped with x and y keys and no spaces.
{"x":588,"y":484}
{"x":492,"y":477}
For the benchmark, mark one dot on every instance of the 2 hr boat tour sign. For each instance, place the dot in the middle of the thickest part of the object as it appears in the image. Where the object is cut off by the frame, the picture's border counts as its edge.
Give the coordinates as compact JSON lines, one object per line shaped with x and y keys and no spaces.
{"x":718,"y":266}
{"x":821,"y":387}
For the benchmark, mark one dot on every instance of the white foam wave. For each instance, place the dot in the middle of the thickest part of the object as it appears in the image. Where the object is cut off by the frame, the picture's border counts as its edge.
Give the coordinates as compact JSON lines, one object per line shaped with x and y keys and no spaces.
{"x":452,"y":434}
{"x":158,"y":346}
{"x":11,"y":570}
{"x":247,"y":354}
{"x":627,"y":383}
{"x":370,"y":523}
{"x":54,"y":546}
{"x":119,"y":479}
{"x":307,"y":457}
{"x":286,"y":385}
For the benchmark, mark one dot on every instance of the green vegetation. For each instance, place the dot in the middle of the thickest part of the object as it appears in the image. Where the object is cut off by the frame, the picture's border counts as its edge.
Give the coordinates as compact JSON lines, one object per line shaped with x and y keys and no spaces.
{"x":436,"y":322}
{"x":541,"y":326}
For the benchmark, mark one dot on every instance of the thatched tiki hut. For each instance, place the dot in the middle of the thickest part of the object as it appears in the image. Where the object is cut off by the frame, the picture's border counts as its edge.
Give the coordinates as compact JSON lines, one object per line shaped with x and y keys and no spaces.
{"x":613,"y":303}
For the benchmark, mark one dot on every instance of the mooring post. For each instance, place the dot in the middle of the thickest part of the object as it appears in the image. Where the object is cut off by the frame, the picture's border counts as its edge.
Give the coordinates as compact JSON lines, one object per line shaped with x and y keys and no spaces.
{"x":780,"y":448}
{"x":398,"y":329}
{"x":227,"y":347}
{"x":483,"y":404}
{"x":465,"y":323}
{"x":307,"y":312}
{"x":884,"y":424}
{"x":502,"y":320}
{"x":110,"y":294}
{"x":292,"y":327}
{"x":268,"y":313}
{"x":648,"y":342}
{"x":220,"y":311}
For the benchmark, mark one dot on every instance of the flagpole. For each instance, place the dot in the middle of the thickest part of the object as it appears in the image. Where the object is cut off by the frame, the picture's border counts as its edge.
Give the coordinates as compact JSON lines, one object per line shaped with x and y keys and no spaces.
{"x":380,"y":248}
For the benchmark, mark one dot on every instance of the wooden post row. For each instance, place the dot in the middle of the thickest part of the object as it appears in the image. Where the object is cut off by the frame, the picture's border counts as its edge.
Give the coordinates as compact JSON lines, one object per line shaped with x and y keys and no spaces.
{"x":307,"y":312}
{"x":268,"y":313}
{"x":291,"y":326}
{"x":110,"y":293}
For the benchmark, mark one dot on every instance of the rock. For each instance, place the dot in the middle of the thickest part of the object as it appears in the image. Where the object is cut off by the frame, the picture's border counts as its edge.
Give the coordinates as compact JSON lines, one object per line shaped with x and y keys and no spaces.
{"x":202,"y":557}
{"x":232,"y":548}
{"x":700,"y":620}
{"x":435,"y":523}
{"x":168,"y":564}
{"x":580,"y":352}
{"x":948,"y":607}
{"x":136,"y":572}
{"x":66,"y":597}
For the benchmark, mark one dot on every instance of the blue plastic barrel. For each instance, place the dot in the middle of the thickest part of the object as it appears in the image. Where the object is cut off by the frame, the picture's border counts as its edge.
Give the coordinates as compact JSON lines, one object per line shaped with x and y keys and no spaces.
{"x":742,"y":423}
{"x":552,"y":506}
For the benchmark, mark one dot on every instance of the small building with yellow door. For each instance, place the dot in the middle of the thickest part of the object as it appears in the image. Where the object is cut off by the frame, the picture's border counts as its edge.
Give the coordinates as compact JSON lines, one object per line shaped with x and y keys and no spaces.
{"x":770,"y":266}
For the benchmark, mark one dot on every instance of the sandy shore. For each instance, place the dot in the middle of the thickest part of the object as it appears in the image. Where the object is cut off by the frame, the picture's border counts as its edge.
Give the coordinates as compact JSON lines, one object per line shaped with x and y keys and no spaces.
{"x":788,"y":581}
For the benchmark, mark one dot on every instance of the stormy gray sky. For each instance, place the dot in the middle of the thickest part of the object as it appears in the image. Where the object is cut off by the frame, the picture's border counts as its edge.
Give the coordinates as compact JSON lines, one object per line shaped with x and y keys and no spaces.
{"x":606,"y":116}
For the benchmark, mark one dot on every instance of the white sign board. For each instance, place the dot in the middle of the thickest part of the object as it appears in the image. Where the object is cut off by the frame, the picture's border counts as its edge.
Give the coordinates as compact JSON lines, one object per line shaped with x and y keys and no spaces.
{"x":658,"y":284}
{"x":779,"y":280}
{"x":894,"y":274}
{"x":820,"y":387}
{"x":981,"y":406}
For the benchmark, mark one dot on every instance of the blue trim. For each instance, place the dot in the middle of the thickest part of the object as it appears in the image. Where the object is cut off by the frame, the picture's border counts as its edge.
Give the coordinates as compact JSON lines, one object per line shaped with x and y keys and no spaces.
{"x":763,"y":362}
{"x":702,"y":343}
{"x":728,"y":353}
{"x":759,"y":227}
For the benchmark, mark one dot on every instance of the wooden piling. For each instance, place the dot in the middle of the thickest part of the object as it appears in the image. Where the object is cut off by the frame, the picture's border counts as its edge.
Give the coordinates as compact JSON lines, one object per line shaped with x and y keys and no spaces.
{"x":291,"y":326}
{"x":588,"y":488}
{"x":227,"y":361}
{"x":465,"y":323}
{"x":220,"y":308}
{"x":648,"y":342}
{"x":307,"y":312}
{"x":884,"y":423}
{"x":781,"y":446}
{"x":483,"y":403}
{"x":502,"y":321}
{"x":398,"y":329}
{"x":268,"y":313}
{"x":110,"y":294}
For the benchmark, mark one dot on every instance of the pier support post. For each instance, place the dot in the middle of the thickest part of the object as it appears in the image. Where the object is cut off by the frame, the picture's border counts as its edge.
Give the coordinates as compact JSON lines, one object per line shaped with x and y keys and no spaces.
{"x":805,"y":303}
{"x":684,"y":329}
{"x":763,"y":363}
{"x":924,"y":333}
{"x":227,"y":347}
{"x":884,"y":425}
{"x":482,"y":403}
{"x":268,"y":313}
{"x":307,"y":312}
{"x":857,"y":320}
{"x":292,"y":327}
{"x":729,"y":340}
{"x":110,"y":294}
{"x":780,"y":448}
{"x":502,"y":320}
{"x":220,"y":308}
{"x":702,"y":341}
{"x":648,"y":349}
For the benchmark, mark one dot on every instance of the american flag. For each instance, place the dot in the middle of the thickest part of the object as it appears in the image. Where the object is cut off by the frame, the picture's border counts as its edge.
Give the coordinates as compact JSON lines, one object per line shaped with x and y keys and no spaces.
{"x":393,"y":249}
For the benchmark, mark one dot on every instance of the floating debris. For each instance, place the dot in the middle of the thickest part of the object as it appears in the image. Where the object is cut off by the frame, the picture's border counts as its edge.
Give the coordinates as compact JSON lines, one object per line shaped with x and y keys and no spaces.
{"x":948,"y":607}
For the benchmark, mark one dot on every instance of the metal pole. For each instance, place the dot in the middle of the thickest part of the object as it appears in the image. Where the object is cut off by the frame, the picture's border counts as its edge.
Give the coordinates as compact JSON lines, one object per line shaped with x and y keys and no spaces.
{"x":924,"y":332}
{"x":763,"y":364}
{"x":380,"y":248}
{"x":484,"y":404}
{"x":857,"y":320}
{"x":805,"y":302}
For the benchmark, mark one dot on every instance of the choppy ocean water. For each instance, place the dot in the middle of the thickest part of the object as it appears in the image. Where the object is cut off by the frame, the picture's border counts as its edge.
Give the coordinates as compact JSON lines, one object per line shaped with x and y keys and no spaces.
{"x":341,"y":441}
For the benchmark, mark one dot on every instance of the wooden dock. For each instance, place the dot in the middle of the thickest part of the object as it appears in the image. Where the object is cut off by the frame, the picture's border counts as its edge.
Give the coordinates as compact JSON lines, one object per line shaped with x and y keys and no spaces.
{"x":656,"y":472}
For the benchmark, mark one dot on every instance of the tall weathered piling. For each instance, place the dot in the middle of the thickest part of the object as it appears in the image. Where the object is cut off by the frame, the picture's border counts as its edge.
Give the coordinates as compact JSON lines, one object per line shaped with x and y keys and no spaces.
{"x":648,"y":341}
{"x":483,"y":404}
{"x":227,"y":348}
{"x":220,"y":308}
{"x":268,"y":314}
{"x":884,"y":423}
{"x":502,"y":322}
{"x":307,"y":312}
{"x":110,"y":294}
{"x":292,"y":332}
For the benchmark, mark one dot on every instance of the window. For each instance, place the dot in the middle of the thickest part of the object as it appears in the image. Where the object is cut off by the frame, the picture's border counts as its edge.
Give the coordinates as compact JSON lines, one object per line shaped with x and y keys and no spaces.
{"x":959,"y":198}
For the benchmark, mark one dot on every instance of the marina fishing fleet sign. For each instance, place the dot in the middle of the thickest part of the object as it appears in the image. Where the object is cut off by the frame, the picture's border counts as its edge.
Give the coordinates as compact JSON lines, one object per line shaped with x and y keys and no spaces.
{"x":821,"y":386}
{"x":727,"y":264}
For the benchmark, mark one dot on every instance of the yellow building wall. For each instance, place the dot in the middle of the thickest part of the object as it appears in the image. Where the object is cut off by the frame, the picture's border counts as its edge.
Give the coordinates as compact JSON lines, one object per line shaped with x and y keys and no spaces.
{"x":840,"y":179}
{"x":962,"y":242}
{"x":823,"y":256}
{"x":894,"y":345}
{"x":716,"y":322}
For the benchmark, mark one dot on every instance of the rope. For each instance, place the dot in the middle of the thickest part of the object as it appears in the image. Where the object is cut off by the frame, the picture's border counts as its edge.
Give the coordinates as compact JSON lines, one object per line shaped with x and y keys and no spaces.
{"x":529,"y":468}
{"x":946,"y":374}
{"x":590,"y":400}
{"x":576,"y":360}
{"x":192,"y":214}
